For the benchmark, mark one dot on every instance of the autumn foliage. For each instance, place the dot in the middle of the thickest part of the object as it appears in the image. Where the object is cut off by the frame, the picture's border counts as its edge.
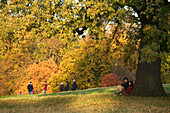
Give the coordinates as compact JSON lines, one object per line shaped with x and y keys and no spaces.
{"x":110,"y":80}
{"x":42,"y":41}
{"x":37,"y":73}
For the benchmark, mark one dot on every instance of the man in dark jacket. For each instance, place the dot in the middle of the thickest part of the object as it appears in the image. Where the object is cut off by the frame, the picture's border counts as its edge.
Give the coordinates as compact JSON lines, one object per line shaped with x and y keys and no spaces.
{"x":126,"y":83}
{"x":67,"y":86}
{"x":30,"y":88}
{"x":74,"y":86}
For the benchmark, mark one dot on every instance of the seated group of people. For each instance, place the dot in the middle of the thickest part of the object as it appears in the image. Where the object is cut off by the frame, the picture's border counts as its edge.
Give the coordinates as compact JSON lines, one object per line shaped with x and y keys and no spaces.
{"x":125,"y":88}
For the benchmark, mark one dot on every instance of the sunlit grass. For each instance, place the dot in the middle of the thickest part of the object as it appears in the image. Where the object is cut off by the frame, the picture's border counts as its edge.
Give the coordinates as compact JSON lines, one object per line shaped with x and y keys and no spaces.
{"x":85,"y":101}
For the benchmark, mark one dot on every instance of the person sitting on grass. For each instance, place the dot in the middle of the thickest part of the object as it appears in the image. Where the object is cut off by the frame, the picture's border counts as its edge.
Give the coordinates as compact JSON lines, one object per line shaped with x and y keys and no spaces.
{"x":122,"y":87}
{"x":122,"y":91}
{"x":130,"y":88}
{"x":126,"y":83}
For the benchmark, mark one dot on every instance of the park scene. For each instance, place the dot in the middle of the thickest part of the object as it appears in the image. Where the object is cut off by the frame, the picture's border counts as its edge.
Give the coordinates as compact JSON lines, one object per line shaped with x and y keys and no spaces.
{"x":84,"y":56}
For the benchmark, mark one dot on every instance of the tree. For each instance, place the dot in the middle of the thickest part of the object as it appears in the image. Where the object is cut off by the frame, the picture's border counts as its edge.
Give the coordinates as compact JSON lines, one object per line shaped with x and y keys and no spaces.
{"x":37,"y":73}
{"x":87,"y":62}
{"x":153,"y":15}
{"x":63,"y":20}
{"x":12,"y":71}
{"x":153,"y":36}
{"x":110,"y":80}
{"x":26,"y":36}
{"x":165,"y":71}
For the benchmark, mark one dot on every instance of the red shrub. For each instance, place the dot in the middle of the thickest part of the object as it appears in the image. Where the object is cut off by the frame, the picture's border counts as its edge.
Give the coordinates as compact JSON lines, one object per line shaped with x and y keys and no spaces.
{"x":110,"y":80}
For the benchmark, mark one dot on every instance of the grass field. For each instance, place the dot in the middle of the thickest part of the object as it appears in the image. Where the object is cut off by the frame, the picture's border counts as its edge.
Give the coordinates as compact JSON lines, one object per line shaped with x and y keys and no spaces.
{"x":85,"y":101}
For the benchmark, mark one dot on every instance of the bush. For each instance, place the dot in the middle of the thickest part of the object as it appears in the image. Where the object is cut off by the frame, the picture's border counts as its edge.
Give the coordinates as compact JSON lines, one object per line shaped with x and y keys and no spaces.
{"x":110,"y":80}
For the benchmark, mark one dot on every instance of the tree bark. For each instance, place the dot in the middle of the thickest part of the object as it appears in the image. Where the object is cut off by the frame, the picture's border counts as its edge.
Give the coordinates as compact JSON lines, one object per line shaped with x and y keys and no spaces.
{"x":148,"y":75}
{"x":148,"y":80}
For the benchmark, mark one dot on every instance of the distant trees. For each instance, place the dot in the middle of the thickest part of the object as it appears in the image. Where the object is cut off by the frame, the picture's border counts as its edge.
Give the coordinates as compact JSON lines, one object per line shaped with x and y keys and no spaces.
{"x":26,"y":37}
{"x":37,"y":73}
{"x":88,"y":61}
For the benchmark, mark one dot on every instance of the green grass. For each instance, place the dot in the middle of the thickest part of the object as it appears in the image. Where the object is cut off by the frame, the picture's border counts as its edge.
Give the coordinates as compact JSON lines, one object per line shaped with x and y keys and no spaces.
{"x":85,"y":101}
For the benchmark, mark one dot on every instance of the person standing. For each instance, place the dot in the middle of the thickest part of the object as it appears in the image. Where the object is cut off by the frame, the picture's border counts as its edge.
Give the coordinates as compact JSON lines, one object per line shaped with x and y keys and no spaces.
{"x":67,"y":86}
{"x":74,"y":86}
{"x":30,"y":88}
{"x":61,"y":86}
{"x":45,"y":87}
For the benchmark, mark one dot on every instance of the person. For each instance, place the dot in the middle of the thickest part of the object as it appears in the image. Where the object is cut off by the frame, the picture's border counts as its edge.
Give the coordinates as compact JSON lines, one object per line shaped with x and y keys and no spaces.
{"x":20,"y":93}
{"x":61,"y":86}
{"x":126,"y":83}
{"x":45,"y":87}
{"x":33,"y":91}
{"x":122,"y":87}
{"x":130,"y":88}
{"x":67,"y":86}
{"x":74,"y":86}
{"x":30,"y":88}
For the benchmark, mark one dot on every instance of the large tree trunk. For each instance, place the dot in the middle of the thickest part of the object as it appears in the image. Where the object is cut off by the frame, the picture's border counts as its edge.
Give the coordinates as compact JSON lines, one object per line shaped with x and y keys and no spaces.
{"x":148,"y":80}
{"x":148,"y":75}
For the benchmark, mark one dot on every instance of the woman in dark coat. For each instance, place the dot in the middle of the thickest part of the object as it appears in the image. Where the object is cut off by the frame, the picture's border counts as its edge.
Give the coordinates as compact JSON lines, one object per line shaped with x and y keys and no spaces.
{"x":74,"y":86}
{"x":62,"y":87}
{"x":67,"y":86}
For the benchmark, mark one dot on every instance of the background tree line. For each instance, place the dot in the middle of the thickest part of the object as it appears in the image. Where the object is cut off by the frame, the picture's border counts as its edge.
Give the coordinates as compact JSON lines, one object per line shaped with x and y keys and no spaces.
{"x":41,"y":40}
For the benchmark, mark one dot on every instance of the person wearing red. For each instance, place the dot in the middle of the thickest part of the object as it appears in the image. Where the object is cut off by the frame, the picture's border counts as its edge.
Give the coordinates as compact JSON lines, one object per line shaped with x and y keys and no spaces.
{"x":45,"y":87}
{"x":33,"y":91}
{"x":122,"y":91}
{"x":122,"y":87}
{"x":130,"y":88}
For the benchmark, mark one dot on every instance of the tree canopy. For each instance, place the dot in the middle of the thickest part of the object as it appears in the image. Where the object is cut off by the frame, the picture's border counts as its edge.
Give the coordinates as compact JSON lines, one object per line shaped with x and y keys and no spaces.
{"x":34,"y":31}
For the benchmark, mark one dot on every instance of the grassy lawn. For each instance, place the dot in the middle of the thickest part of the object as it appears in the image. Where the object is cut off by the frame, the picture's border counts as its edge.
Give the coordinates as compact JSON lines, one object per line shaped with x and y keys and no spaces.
{"x":85,"y":101}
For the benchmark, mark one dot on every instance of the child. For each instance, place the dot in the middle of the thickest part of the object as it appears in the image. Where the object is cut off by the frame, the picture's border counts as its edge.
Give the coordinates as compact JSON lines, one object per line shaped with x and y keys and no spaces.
{"x":33,"y":92}
{"x":20,"y":93}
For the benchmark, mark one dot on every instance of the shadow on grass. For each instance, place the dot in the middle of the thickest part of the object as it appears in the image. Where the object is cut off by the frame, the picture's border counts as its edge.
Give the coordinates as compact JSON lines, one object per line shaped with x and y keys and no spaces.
{"x":105,"y":90}
{"x":30,"y":105}
{"x":108,"y":90}
{"x":102,"y":90}
{"x":60,"y":102}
